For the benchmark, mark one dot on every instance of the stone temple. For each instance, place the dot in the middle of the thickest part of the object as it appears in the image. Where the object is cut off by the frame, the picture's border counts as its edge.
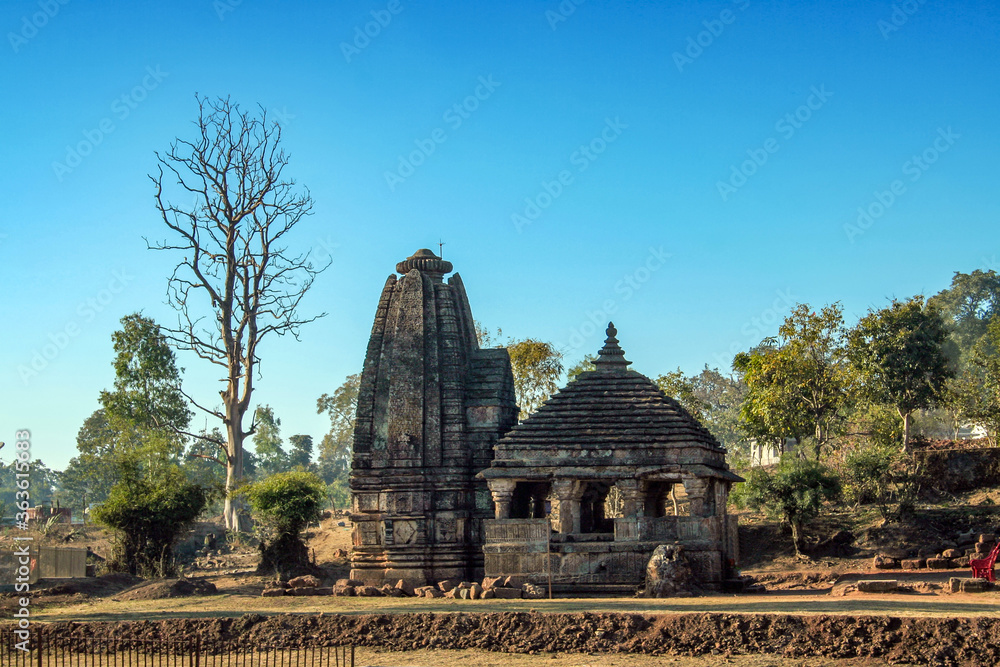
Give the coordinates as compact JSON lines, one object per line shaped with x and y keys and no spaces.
{"x":446,"y":484}
{"x":605,"y":471}
{"x":431,"y":407}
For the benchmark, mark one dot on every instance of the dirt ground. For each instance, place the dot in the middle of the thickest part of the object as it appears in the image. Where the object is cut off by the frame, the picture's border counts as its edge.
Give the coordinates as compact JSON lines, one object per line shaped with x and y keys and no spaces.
{"x":810,"y":614}
{"x":914,"y":640}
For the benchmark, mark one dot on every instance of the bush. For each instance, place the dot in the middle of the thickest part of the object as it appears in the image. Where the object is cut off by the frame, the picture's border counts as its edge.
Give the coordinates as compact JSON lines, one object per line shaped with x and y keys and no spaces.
{"x":880,"y":474}
{"x":148,"y":514}
{"x":793,"y":492}
{"x":283,"y":505}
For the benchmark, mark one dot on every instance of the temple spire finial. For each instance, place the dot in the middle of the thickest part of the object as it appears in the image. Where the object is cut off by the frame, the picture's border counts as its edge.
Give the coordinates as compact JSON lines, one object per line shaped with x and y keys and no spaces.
{"x":611,"y":356}
{"x":426,"y":261}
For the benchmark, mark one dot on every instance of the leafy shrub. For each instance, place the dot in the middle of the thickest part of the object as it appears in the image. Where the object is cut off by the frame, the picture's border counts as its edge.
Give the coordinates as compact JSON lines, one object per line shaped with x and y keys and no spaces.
{"x":794,"y":491}
{"x":148,"y":514}
{"x":283,"y":505}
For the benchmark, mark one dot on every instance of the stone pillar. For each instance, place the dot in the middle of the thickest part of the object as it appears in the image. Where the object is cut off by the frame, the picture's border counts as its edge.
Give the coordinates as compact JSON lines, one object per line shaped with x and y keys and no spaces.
{"x":503,"y":492}
{"x":698,"y":489}
{"x":633,"y":497}
{"x":568,"y":493}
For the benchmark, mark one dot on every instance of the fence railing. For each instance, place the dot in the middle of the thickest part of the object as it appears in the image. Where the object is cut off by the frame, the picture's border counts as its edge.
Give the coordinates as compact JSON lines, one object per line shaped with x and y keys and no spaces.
{"x":46,"y":650}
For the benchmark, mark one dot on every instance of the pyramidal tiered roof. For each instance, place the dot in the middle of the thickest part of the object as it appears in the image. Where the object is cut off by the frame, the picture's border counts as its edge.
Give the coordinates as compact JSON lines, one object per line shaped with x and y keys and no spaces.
{"x":616,"y":413}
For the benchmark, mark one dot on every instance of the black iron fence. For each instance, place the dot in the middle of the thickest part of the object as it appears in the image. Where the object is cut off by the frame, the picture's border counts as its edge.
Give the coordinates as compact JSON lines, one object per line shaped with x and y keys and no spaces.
{"x":47,"y":650}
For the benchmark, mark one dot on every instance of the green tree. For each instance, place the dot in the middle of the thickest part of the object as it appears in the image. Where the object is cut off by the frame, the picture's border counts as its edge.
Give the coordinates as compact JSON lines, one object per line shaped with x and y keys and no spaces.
{"x":146,"y":391}
{"x":283,"y":505}
{"x":678,"y":386}
{"x":968,"y":306}
{"x":585,"y":364}
{"x":537,"y":367}
{"x":880,"y":474}
{"x":899,"y":354}
{"x":300,"y":454}
{"x":90,"y":474}
{"x":982,"y":406}
{"x":271,"y":456}
{"x":237,"y":283}
{"x":140,"y":418}
{"x":798,"y":387}
{"x":148,"y":511}
{"x":336,"y":448}
{"x":721,"y":397}
{"x":793,"y":492}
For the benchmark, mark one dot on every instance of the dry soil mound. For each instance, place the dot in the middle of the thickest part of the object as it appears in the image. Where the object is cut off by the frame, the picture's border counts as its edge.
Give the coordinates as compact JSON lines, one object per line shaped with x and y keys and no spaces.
{"x":170,"y":588}
{"x":923,"y":641}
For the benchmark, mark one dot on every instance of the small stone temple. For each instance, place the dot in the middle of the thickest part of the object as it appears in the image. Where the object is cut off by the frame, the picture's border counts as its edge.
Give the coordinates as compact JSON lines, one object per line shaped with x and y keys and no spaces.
{"x":431,"y":407}
{"x":605,"y":471}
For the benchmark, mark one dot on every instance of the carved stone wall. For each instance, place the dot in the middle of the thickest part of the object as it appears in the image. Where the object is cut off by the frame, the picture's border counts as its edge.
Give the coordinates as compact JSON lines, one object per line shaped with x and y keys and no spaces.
{"x":431,"y":405}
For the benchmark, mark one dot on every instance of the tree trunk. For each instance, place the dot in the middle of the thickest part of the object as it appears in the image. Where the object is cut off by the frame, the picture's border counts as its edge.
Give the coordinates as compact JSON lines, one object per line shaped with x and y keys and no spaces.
{"x":906,"y":432}
{"x":797,"y":537}
{"x":234,"y":510}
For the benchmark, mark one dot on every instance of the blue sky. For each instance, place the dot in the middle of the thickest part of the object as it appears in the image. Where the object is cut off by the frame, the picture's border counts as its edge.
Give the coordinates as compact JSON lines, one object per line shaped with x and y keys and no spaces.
{"x":696,"y":169}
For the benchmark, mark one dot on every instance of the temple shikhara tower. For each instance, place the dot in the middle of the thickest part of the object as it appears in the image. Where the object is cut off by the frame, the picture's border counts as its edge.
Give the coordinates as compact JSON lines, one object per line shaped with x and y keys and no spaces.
{"x":431,"y":407}
{"x":447,"y":485}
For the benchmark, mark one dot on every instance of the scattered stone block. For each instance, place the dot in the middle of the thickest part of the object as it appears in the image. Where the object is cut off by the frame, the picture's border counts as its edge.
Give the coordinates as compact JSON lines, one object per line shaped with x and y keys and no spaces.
{"x":451,"y":593}
{"x":302,"y":590}
{"x":464,"y":593}
{"x":951,"y":553}
{"x":349,"y":582}
{"x":273,"y":592}
{"x":940,"y":563}
{"x":307,"y":581}
{"x":343,"y":591}
{"x":433,"y":593}
{"x":324,"y":590}
{"x":988,"y":538}
{"x":488,"y":595}
{"x":475,"y":592}
{"x":533,"y":592}
{"x":490,"y":582}
{"x":448,"y":584}
{"x":368,"y":592}
{"x":975,"y":585}
{"x":955,"y":584}
{"x":962,"y":562}
{"x":913,"y":563}
{"x":883,"y":562}
{"x":506,"y":593}
{"x":405,"y":587}
{"x":514,"y":581}
{"x":878,"y":586}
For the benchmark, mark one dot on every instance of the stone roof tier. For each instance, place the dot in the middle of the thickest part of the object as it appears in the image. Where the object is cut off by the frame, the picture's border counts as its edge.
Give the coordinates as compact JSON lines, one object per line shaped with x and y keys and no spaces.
{"x":609,"y":417}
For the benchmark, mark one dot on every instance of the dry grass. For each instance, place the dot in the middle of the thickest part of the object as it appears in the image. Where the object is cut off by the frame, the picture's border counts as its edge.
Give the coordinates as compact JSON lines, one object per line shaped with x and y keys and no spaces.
{"x":779,"y":602}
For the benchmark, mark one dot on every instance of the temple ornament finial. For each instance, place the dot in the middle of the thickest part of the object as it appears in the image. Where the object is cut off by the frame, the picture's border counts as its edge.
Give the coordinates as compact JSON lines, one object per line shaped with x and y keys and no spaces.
{"x":426,"y":261}
{"x":611,"y":356}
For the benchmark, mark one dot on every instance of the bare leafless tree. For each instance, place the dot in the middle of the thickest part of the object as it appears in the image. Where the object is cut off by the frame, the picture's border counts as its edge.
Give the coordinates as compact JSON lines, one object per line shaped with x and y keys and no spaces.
{"x":237,"y":281}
